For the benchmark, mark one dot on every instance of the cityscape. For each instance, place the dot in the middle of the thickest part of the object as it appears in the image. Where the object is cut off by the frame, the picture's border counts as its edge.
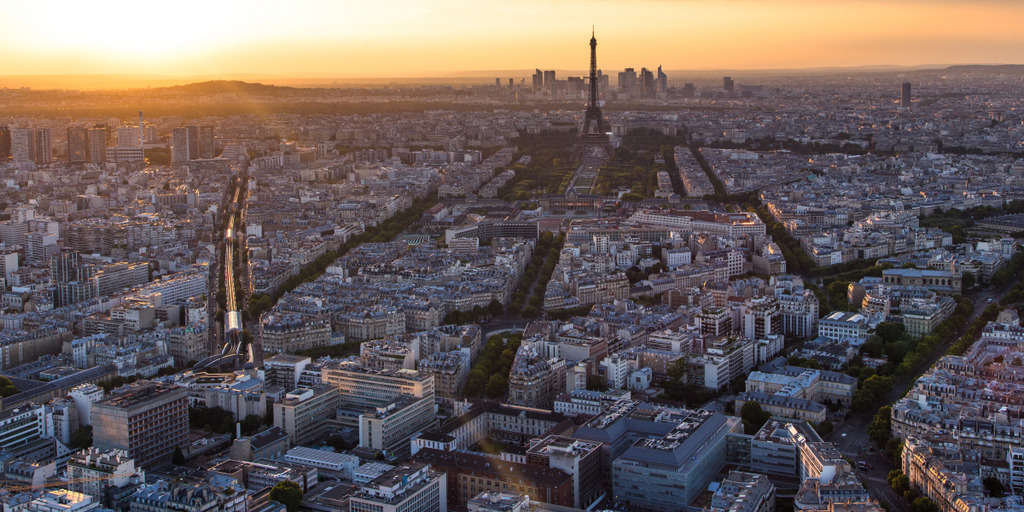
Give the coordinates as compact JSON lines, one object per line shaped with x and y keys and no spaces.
{"x":568,"y":288}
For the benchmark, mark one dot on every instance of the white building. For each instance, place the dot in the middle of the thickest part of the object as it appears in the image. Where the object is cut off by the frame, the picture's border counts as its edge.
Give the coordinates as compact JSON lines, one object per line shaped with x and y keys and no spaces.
{"x":840,"y":326}
{"x":411,"y":487}
{"x":337,"y":465}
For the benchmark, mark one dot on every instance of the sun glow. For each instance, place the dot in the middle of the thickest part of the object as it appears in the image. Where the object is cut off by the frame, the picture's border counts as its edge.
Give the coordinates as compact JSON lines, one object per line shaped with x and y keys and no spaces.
{"x":433,"y":37}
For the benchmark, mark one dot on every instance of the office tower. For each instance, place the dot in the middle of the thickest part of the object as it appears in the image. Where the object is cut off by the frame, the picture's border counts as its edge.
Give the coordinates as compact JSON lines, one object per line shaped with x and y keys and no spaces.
{"x":411,"y":487}
{"x":511,"y":83}
{"x":688,"y":90}
{"x":497,"y":83}
{"x":646,"y":83}
{"x":67,"y":266}
{"x":728,"y":84}
{"x":549,"y":78}
{"x":627,"y":79}
{"x":142,"y":135}
{"x":538,"y":80}
{"x":661,"y":81}
{"x":593,"y":132}
{"x":304,"y":413}
{"x":5,"y":142}
{"x":146,"y":419}
{"x":127,"y":137}
{"x":78,"y":145}
{"x":206,"y":145}
{"x":388,"y":429}
{"x":39,"y":246}
{"x":43,"y":146}
{"x":23,"y":145}
{"x":193,"y":142}
{"x":905,"y":95}
{"x":179,"y":145}
{"x":97,"y":145}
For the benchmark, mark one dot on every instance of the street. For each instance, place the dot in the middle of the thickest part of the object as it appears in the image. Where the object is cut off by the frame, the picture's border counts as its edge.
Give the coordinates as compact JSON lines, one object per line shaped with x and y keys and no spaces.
{"x":852,"y":439}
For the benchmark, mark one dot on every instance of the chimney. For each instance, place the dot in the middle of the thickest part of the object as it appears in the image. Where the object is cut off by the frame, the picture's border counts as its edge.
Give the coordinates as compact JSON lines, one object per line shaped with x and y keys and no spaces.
{"x":238,"y":430}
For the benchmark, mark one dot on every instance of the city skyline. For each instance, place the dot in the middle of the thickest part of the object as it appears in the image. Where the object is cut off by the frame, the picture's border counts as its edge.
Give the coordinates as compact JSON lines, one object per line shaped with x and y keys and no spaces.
{"x":410,"y":39}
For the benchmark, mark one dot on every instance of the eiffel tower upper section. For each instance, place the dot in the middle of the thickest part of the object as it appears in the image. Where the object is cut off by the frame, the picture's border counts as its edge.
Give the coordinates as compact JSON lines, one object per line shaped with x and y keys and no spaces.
{"x":594,"y":132}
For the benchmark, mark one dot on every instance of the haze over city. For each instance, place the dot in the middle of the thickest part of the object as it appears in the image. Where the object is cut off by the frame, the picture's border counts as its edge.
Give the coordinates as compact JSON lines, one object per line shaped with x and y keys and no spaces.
{"x":409,"y":38}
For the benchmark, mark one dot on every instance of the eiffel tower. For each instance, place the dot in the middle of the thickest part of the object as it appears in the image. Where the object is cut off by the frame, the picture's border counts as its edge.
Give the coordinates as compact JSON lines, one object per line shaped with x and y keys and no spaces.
{"x":594,"y":133}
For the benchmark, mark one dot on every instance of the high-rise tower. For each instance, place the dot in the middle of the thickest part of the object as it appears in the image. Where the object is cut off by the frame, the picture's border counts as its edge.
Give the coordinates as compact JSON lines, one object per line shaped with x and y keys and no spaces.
{"x":905,"y":95}
{"x":593,"y":133}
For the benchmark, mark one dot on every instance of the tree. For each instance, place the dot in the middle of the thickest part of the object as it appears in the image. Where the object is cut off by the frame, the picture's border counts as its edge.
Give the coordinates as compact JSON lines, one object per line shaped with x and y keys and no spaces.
{"x":994,"y":487}
{"x":7,"y":387}
{"x":287,"y":493}
{"x":82,"y":438}
{"x":475,"y":382}
{"x":495,"y":308}
{"x":898,"y":481}
{"x":754,"y":417}
{"x":337,"y":442}
{"x":890,"y":331}
{"x":924,"y":504}
{"x":251,"y":424}
{"x":879,"y":428}
{"x":873,"y":391}
{"x":967,"y":280}
{"x":824,"y":428}
{"x":597,"y":383}
{"x":496,"y":386}
{"x":178,"y":458}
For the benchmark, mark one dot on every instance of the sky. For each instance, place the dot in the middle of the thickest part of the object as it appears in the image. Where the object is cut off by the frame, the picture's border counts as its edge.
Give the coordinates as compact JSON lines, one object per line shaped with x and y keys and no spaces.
{"x":410,"y":38}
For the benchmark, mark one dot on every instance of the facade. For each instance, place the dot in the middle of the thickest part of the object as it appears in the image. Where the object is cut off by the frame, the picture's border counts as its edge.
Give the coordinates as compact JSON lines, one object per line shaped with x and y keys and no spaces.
{"x":304,"y":413}
{"x":744,"y":492}
{"x":333,"y":464}
{"x":243,"y":397}
{"x":284,"y":370}
{"x":388,"y":429}
{"x":411,"y":487}
{"x":468,"y":473}
{"x":581,"y":460}
{"x":659,"y":458}
{"x":776,"y":447}
{"x":726,"y":359}
{"x":841,"y":326}
{"x":147,"y":420}
{"x":362,"y":387}
{"x":535,"y":380}
{"x":188,"y":343}
{"x":939,"y":281}
{"x":21,"y":426}
{"x":108,"y":477}
{"x":284,"y":333}
{"x":450,"y":370}
{"x":271,"y":443}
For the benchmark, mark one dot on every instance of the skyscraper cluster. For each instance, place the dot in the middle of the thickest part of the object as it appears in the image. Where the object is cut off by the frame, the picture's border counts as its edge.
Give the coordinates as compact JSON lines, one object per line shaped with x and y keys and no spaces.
{"x":643,"y":85}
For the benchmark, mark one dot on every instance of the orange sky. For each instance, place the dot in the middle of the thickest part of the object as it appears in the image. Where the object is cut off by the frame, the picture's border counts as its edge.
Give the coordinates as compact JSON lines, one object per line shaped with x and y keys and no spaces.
{"x":405,"y":38}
